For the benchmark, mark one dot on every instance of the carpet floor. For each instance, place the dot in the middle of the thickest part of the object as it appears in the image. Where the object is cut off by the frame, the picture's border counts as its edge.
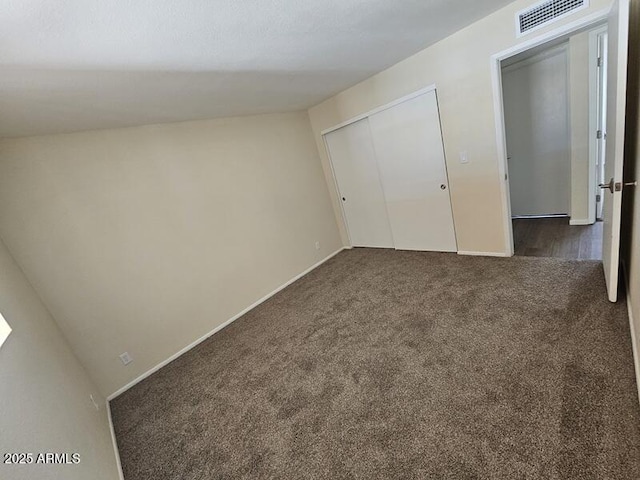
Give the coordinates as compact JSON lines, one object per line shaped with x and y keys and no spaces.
{"x":385,"y":364}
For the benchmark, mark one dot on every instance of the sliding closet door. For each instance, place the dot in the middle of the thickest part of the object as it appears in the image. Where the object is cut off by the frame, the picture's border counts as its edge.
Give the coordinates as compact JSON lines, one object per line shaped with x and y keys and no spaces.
{"x":408,"y":146}
{"x":356,"y":172}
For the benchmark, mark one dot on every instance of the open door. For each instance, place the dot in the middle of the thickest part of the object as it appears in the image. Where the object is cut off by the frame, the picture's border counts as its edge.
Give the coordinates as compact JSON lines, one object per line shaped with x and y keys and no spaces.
{"x":618,"y":45}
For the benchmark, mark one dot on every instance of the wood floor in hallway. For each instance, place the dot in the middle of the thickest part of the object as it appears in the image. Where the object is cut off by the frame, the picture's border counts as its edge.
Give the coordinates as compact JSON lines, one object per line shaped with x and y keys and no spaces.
{"x":554,"y":237}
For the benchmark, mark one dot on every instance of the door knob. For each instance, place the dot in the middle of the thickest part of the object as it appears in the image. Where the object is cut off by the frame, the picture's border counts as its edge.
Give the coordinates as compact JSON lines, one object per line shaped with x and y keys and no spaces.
{"x":617,"y":186}
{"x":610,"y":186}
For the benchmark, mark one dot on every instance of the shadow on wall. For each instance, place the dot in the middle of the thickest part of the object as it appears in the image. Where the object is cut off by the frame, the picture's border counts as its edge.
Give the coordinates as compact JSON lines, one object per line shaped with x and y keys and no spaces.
{"x":49,"y":101}
{"x":632,"y":131}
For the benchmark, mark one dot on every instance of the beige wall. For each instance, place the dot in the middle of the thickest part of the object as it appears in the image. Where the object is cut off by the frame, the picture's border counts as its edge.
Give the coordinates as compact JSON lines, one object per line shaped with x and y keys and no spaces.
{"x":460,"y":67}
{"x":579,"y":120}
{"x":145,"y":239}
{"x":44,"y":392}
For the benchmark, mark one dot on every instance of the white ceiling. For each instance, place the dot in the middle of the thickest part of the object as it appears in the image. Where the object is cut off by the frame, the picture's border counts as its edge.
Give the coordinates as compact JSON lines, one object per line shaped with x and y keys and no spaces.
{"x":69,"y":65}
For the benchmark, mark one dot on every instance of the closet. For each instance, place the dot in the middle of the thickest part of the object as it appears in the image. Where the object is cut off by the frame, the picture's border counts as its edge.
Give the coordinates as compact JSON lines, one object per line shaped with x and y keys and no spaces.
{"x":391,"y":176}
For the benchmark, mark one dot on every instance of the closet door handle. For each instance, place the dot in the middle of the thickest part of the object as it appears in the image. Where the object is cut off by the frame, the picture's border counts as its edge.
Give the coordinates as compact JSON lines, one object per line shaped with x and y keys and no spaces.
{"x":443,"y":187}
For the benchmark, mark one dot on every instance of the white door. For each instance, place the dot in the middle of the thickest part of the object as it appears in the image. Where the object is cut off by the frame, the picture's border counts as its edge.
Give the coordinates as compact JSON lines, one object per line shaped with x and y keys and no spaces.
{"x":356,"y":173}
{"x":536,"y":109}
{"x":408,"y":145}
{"x":618,"y":46}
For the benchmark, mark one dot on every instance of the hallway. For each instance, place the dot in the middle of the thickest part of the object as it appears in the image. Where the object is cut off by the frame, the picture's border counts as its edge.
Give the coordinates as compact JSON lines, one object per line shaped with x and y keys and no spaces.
{"x":554,"y":237}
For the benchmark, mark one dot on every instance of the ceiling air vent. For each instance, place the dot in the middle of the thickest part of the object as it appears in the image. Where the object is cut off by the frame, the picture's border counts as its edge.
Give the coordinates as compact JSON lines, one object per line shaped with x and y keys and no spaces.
{"x":543,"y":13}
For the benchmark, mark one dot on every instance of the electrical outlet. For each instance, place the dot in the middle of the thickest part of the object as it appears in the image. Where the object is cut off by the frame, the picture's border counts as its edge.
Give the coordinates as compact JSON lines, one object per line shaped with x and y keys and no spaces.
{"x":317,"y":245}
{"x":126,"y":358}
{"x":464,"y":158}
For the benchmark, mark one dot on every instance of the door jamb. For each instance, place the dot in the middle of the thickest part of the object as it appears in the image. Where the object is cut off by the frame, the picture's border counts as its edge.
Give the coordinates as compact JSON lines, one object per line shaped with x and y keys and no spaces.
{"x":594,"y":107}
{"x":498,"y":105}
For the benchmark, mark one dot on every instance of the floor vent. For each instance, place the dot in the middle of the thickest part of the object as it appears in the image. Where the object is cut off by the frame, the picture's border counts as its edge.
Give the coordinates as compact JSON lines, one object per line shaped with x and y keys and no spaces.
{"x":543,"y":13}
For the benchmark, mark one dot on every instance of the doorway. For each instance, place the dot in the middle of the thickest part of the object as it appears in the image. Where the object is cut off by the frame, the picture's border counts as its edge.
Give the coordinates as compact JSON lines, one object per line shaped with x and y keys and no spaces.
{"x":554,"y":99}
{"x":617,"y":20}
{"x":536,"y":110}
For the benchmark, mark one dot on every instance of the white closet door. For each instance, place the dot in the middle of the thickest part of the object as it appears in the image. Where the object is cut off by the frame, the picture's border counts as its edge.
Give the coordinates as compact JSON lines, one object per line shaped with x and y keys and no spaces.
{"x":356,"y":172}
{"x":408,"y":146}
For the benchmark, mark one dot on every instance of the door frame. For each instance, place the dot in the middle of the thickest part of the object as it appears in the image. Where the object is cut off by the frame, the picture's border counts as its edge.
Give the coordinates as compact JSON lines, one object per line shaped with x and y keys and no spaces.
{"x":495,"y":61}
{"x":595,"y":100}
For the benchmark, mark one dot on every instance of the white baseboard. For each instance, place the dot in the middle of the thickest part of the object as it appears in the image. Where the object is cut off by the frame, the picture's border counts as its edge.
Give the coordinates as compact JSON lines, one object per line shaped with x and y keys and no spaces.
{"x":634,"y":346}
{"x":580,"y":221}
{"x":634,"y":341}
{"x":484,"y":254}
{"x":218,"y":328}
{"x":115,"y":442}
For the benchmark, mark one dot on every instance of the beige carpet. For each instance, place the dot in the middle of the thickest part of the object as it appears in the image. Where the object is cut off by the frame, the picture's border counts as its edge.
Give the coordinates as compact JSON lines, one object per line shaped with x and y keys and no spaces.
{"x":384,"y":364}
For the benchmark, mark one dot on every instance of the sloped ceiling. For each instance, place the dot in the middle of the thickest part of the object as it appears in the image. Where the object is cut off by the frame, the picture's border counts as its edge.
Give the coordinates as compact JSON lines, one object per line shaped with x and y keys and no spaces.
{"x":70,"y":65}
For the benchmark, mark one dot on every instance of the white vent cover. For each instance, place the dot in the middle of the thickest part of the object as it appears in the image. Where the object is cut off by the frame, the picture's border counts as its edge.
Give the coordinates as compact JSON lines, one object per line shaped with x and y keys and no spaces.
{"x":543,"y":13}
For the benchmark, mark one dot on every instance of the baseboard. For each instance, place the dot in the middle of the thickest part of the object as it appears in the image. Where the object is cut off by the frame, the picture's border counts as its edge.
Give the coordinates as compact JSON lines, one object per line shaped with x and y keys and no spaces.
{"x":632,"y":329}
{"x":634,"y":347}
{"x":484,"y":254}
{"x":218,"y":328}
{"x":534,"y":217}
{"x":580,"y":221}
{"x":115,"y":442}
